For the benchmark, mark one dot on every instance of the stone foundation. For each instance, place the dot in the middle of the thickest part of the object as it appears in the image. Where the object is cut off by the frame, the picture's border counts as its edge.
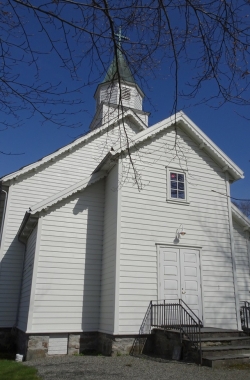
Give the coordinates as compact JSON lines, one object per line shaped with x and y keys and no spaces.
{"x":166,"y":344}
{"x":111,"y":345}
{"x":34,"y":346}
{"x":37,"y":346}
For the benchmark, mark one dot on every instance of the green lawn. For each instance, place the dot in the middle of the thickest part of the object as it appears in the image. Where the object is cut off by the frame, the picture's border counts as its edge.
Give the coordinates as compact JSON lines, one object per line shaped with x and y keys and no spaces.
{"x":10,"y":370}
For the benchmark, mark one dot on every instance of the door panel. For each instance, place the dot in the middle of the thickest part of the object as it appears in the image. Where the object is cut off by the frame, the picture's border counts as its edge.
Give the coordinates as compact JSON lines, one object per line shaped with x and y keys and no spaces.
{"x":170,"y":274}
{"x":190,"y":279}
{"x":180,"y":277}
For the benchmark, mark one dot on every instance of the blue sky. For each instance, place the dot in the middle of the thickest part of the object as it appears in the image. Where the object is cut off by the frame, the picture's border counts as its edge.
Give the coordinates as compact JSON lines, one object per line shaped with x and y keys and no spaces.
{"x":33,"y":140}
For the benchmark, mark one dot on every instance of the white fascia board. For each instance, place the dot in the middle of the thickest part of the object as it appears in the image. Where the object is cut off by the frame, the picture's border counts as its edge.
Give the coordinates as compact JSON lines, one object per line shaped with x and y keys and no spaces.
{"x":240,"y":217}
{"x":77,"y":187}
{"x":32,"y":215}
{"x":195,"y":133}
{"x":68,"y":148}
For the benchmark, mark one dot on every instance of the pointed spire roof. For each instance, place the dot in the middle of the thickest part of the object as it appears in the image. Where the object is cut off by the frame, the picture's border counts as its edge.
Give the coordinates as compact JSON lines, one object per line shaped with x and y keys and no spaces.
{"x":119,"y":65}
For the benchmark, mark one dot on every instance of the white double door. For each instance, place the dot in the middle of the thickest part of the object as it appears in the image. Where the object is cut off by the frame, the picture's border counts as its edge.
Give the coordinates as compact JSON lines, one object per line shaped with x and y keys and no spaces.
{"x":179,"y":277}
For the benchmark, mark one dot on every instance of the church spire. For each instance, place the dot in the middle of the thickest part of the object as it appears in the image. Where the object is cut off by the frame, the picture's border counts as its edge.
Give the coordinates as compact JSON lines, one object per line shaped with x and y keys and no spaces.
{"x":123,"y":70}
{"x":119,"y":64}
{"x":118,"y":90}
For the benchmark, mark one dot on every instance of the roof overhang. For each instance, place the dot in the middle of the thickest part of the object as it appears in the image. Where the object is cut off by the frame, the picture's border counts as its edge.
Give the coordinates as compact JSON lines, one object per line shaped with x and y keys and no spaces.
{"x":28,"y":224}
{"x":69,"y":191}
{"x":32,"y":215}
{"x":240,"y":217}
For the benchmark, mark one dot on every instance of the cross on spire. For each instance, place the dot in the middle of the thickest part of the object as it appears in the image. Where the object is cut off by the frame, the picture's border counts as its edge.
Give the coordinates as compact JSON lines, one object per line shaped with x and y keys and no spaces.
{"x":121,"y":37}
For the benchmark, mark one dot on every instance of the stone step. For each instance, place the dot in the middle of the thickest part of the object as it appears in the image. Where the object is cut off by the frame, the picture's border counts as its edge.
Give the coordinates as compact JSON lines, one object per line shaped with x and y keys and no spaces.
{"x":210,"y":332}
{"x":225,"y":360}
{"x":223,"y":334}
{"x":218,"y":351}
{"x":227,"y":340}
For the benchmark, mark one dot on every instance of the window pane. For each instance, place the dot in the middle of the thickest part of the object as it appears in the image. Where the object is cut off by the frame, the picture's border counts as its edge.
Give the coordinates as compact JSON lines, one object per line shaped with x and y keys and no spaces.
{"x":173,"y":185}
{"x":180,"y":186}
{"x":173,"y":176}
{"x":173,"y":193}
{"x":181,"y":194}
{"x":181,"y":177}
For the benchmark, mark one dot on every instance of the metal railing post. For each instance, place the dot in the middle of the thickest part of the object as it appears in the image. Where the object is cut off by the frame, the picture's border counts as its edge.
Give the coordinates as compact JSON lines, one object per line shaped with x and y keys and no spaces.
{"x":151,"y":314}
{"x":164,"y":314}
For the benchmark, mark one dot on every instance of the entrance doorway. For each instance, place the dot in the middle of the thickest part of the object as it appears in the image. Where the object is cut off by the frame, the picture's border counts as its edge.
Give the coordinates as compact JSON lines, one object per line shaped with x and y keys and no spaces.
{"x":179,"y":277}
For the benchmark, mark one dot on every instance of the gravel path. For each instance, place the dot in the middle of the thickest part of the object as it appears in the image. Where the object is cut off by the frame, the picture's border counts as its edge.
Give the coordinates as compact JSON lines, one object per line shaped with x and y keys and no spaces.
{"x":128,"y":368}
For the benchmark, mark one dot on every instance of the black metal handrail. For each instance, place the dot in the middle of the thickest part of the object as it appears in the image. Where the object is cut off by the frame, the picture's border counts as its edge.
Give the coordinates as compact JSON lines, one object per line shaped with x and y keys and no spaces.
{"x":169,"y":316}
{"x":191,"y":312}
{"x":174,"y":316}
{"x":245,"y":316}
{"x":145,"y":329}
{"x":146,"y":323}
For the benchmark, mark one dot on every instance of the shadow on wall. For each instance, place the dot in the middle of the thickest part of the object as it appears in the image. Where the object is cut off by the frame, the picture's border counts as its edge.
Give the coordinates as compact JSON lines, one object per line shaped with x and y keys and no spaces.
{"x":10,"y":282}
{"x":91,"y":205}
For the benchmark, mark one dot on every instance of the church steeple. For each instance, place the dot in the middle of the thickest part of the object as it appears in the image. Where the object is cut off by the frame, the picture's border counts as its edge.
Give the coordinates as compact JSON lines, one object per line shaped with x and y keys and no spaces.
{"x":123,"y":71}
{"x":118,"y":90}
{"x":119,"y":60}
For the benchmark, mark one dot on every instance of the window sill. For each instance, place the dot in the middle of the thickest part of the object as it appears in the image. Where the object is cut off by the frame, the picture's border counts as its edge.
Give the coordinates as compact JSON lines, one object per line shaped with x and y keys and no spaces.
{"x":179,"y":202}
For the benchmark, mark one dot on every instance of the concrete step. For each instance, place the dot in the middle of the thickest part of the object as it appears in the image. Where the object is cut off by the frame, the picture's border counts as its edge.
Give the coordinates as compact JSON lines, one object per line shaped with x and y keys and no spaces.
{"x":218,"y":351}
{"x":225,"y":360}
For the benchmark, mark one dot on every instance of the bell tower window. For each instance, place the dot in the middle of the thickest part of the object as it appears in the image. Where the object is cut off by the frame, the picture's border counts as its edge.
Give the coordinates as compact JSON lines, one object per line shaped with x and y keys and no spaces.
{"x":126,"y":93}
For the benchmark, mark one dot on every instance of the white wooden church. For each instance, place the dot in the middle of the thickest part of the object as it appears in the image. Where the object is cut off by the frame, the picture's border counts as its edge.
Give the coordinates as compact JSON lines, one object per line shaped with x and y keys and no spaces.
{"x":126,"y":214}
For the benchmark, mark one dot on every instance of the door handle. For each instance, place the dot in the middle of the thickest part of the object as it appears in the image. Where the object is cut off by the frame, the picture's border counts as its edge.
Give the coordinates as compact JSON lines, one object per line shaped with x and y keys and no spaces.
{"x":183,"y":291}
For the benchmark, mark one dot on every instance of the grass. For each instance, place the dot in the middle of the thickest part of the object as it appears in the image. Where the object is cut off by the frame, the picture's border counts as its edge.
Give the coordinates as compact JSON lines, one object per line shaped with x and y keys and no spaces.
{"x":10,"y":370}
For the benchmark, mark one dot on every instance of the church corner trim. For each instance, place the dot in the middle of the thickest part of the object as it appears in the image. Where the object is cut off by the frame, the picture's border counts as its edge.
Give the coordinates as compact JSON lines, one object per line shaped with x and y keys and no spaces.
{"x":118,"y":246}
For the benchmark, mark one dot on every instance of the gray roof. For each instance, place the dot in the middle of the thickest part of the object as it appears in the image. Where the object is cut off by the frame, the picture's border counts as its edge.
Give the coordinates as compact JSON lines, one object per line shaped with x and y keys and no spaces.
{"x":123,"y":70}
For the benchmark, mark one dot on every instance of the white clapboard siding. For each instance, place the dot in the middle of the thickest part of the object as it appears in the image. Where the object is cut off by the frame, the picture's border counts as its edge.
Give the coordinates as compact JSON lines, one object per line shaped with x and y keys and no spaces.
{"x":107,"y":307}
{"x":242,"y":261}
{"x":72,"y":274}
{"x":147,"y":219}
{"x":58,"y":344}
{"x":27,"y":281}
{"x":34,"y":187}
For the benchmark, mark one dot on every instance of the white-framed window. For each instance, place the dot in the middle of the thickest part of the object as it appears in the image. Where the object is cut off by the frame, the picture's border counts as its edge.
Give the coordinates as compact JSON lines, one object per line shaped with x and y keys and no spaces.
{"x":177,"y":190}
